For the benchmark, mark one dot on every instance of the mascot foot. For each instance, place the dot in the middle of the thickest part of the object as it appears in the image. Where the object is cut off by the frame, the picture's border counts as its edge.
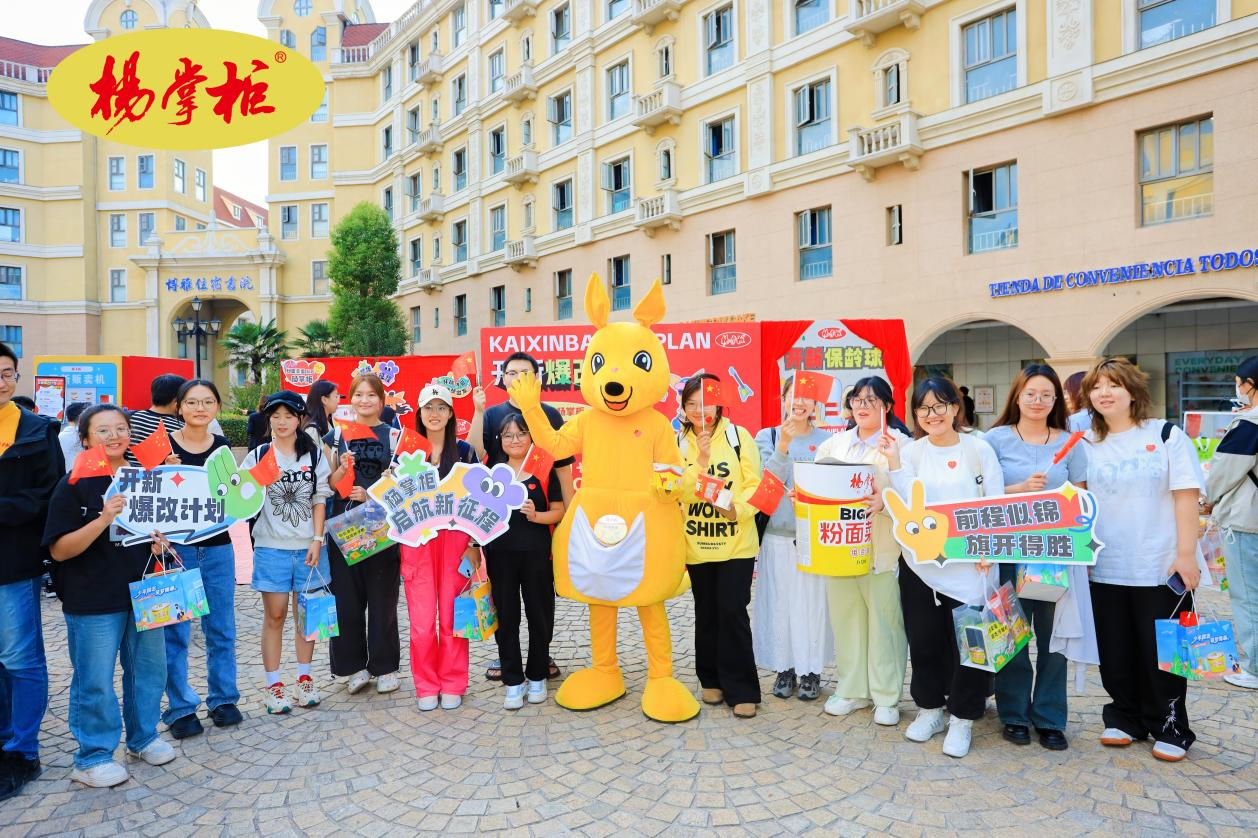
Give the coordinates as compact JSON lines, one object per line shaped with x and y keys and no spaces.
{"x":666,"y":700}
{"x":590,"y":688}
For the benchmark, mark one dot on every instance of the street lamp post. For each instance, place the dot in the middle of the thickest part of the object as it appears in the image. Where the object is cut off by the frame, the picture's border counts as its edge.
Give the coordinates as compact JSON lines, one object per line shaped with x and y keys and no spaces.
{"x":198,"y":328}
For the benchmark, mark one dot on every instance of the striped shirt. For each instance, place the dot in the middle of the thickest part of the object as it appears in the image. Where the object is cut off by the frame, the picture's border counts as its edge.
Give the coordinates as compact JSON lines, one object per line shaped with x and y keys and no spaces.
{"x":143,"y":423}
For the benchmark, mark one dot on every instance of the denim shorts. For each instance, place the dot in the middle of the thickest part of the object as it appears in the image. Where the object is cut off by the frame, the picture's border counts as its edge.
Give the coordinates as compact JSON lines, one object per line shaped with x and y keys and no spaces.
{"x":283,"y":571}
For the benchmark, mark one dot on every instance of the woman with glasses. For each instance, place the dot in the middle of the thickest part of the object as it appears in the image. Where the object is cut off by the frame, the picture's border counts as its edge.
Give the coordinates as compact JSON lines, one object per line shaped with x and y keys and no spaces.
{"x":871,"y":652}
{"x":952,"y":466}
{"x":197,"y":405}
{"x":430,"y":571}
{"x":1026,"y":438}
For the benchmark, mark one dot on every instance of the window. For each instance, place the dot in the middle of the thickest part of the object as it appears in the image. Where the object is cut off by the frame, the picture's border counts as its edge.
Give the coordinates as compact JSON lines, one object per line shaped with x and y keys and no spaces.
{"x":117,"y":286}
{"x":495,"y":8}
{"x":436,"y":41}
{"x":181,"y":224}
{"x":318,"y":162}
{"x":288,"y":39}
{"x":527,"y":203}
{"x":416,"y":329}
{"x":117,"y":174}
{"x":563,"y":294}
{"x":148,"y":221}
{"x":497,"y":228}
{"x":416,"y":254}
{"x":434,"y":115}
{"x":386,"y":201}
{"x":526,"y":130}
{"x":198,"y":181}
{"x":617,"y":182}
{"x":666,"y":269}
{"x":528,"y":299}
{"x":321,"y":112}
{"x":458,"y":90}
{"x":812,"y":117}
{"x":814,"y":243}
{"x":991,"y":55}
{"x":10,"y":282}
{"x":994,"y":208}
{"x":561,"y":200}
{"x":319,"y":44}
{"x":436,"y":250}
{"x":618,"y":270}
{"x":458,"y":240}
{"x":436,"y":318}
{"x":10,"y":224}
{"x":12,"y":335}
{"x":414,"y":186}
{"x":10,"y":168}
{"x":664,"y":60}
{"x":1177,"y":171}
{"x":559,"y":112}
{"x":436,"y":177}
{"x":718,"y":154}
{"x":618,"y":90}
{"x":318,"y":278}
{"x":117,"y":230}
{"x":8,"y":108}
{"x":460,"y":315}
{"x":200,"y":225}
{"x":301,"y":8}
{"x":497,"y":70}
{"x":386,"y":82}
{"x":616,"y":8}
{"x":128,"y":20}
{"x":288,"y":221}
{"x":666,"y":163}
{"x":412,"y":125}
{"x":181,"y":176}
{"x":497,"y":150}
{"x":386,"y":142}
{"x":526,"y":47}
{"x":144,"y":166}
{"x":288,"y":163}
{"x":459,"y":25}
{"x":809,"y":14}
{"x":560,"y":28}
{"x":718,"y":40}
{"x":895,"y":225}
{"x":319,"y":221}
{"x":1166,"y":20}
{"x":498,"y":304}
{"x":458,"y":165}
{"x":412,"y":60}
{"x":723,"y":274}
{"x":891,"y":93}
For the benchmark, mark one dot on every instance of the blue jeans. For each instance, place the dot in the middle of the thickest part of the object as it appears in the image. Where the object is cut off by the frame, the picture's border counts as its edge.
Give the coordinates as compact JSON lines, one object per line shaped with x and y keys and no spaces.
{"x":96,"y":642}
{"x":1017,"y":701}
{"x":218,"y":575}
{"x":23,"y":668}
{"x":1241,"y":551}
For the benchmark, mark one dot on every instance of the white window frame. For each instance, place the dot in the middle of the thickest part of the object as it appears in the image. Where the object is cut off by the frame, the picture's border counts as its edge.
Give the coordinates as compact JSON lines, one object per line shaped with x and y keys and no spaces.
{"x":788,"y":17}
{"x":327,"y":220}
{"x":119,"y":230}
{"x":1130,"y":18}
{"x":571,"y":180}
{"x":895,"y":225}
{"x":200,"y":184}
{"x":666,"y":45}
{"x":387,"y":203}
{"x":139,"y":171}
{"x":296,"y":208}
{"x":415,"y":254}
{"x":116,"y":273}
{"x":311,"y":153}
{"x":434,"y":110}
{"x":288,"y":39}
{"x":526,"y":45}
{"x":180,"y":176}
{"x":413,"y":60}
{"x":1141,"y":181}
{"x":489,"y":148}
{"x":801,"y":247}
{"x":527,"y":136}
{"x":496,"y":82}
{"x":559,"y":296}
{"x":956,"y":51}
{"x":140,"y":233}
{"x":121,"y":174}
{"x":460,"y":315}
{"x":21,"y":163}
{"x":899,"y":59}
{"x":552,"y":112}
{"x":626,"y":62}
{"x":460,"y":226}
{"x":414,"y":124}
{"x":296,"y":164}
{"x":498,"y":305}
{"x":458,"y":85}
{"x":666,"y":146}
{"x":17,"y":107}
{"x":323,"y":46}
{"x":181,"y":224}
{"x":456,"y":155}
{"x":608,"y":17}
{"x":320,"y":114}
{"x":315,"y":279}
{"x":417,"y":325}
{"x":388,"y":146}
{"x":701,"y":38}
{"x":710,"y":258}
{"x":458,"y":26}
{"x":736,"y":114}
{"x":555,"y":48}
{"x":21,"y":224}
{"x":605,"y":174}
{"x":792,"y":128}
{"x":128,"y":20}
{"x":414,"y":189}
{"x":21,"y":281}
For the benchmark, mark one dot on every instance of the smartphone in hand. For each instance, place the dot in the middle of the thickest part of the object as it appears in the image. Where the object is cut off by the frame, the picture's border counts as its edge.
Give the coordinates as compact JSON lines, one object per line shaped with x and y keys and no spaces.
{"x":1176,"y":584}
{"x":465,"y":568}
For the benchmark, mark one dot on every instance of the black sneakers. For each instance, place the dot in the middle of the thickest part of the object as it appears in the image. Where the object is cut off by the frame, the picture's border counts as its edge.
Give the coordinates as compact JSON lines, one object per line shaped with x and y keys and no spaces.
{"x":809,"y":686}
{"x":784,"y":686}
{"x":226,"y":715}
{"x":185,"y":726}
{"x":16,"y":771}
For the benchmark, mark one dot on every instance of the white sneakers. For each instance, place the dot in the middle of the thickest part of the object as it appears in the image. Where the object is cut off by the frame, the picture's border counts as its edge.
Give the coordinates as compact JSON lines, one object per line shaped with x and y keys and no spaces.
{"x":838,"y":706}
{"x":275,"y":698}
{"x":307,"y":692}
{"x":387,"y":683}
{"x":1244,"y":679}
{"x":889,"y":716}
{"x":957,"y":742}
{"x":537,"y":692}
{"x":101,"y":776}
{"x":427,"y":702}
{"x":515,"y":697}
{"x":1167,"y":752}
{"x":357,"y":681}
{"x":927,"y":724}
{"x":1115,"y":738}
{"x":451,"y":702}
{"x":157,"y":752}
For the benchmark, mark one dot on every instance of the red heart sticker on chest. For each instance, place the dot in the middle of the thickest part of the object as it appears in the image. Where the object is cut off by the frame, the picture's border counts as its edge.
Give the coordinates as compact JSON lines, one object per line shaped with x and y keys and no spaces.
{"x":952,"y":464}
{"x":812,"y":448}
{"x":1150,"y":448}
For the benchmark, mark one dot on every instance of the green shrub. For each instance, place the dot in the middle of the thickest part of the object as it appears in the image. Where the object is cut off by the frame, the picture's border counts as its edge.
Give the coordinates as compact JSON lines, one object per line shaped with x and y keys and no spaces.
{"x":236,"y":429}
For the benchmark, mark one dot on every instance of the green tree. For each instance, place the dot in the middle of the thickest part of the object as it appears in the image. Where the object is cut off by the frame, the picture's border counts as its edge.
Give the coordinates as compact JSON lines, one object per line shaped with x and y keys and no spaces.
{"x":254,"y":346}
{"x":317,"y":340}
{"x":365,"y":268}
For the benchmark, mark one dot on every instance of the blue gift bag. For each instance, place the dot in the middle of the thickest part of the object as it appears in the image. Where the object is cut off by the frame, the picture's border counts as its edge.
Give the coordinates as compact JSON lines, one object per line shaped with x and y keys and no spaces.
{"x":174,"y":595}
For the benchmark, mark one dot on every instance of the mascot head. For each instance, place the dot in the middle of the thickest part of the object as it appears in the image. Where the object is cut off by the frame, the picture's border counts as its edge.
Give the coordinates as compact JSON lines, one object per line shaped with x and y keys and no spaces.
{"x":626,"y":369}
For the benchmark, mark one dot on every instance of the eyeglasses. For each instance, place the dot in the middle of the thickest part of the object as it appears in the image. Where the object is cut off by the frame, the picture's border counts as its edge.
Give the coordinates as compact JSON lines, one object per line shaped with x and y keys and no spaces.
{"x":866,"y":402}
{"x":514,"y":437}
{"x":10,"y":376}
{"x":436,"y":408}
{"x":206,"y":403}
{"x":111,"y":433}
{"x":937,"y":409}
{"x":1038,"y":398}
{"x":514,"y":373}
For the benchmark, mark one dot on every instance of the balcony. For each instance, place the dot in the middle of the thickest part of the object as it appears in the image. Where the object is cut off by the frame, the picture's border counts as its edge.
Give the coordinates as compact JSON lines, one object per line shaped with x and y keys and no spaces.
{"x":430,"y":69}
{"x":657,"y":107}
{"x":522,"y":168}
{"x":518,"y":10}
{"x":866,"y":18}
{"x":662,"y":210}
{"x":432,"y":208}
{"x":520,"y":85}
{"x":521,"y":253}
{"x":884,"y":145}
{"x":649,"y":13}
{"x":430,"y":278}
{"x":24,"y":72}
{"x":428,"y":141}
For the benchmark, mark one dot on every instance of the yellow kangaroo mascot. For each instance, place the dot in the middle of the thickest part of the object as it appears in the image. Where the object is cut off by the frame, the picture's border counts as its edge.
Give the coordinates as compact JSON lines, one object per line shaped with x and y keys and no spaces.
{"x":620,"y":543}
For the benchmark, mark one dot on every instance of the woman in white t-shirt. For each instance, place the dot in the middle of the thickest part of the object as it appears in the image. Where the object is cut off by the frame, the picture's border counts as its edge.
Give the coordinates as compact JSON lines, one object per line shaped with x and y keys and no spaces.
{"x":953,"y":466}
{"x":1143,"y":474}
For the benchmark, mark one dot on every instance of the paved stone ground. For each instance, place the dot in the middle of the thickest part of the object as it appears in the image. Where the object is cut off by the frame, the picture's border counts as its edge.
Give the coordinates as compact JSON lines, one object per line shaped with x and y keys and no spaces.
{"x":373,"y":765}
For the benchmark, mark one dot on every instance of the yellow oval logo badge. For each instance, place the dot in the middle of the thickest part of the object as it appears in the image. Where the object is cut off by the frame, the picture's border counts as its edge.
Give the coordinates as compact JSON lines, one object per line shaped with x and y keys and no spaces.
{"x":185,"y":88}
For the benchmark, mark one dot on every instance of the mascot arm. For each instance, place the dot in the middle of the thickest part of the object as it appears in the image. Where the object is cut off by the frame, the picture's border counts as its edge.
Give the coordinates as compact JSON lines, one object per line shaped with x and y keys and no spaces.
{"x":666,"y":452}
{"x":526,"y":391}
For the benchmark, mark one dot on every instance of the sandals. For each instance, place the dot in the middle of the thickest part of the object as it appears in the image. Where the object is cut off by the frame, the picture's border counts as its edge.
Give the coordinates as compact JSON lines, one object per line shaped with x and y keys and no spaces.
{"x":494,"y":672}
{"x":554,"y":671}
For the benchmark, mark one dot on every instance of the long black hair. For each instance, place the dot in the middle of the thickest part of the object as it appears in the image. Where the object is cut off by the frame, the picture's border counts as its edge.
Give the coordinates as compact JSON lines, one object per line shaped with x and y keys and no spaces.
{"x":316,"y":416}
{"x":302,"y":443}
{"x":945,"y":392}
{"x":449,"y":439}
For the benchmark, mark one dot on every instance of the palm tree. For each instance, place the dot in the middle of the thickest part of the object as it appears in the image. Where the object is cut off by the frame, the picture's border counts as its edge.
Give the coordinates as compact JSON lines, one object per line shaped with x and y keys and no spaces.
{"x":254,"y":347}
{"x":317,"y":340}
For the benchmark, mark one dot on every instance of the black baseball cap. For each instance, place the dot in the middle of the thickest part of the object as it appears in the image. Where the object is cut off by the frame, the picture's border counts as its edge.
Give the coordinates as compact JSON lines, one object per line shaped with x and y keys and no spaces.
{"x":288,"y":399}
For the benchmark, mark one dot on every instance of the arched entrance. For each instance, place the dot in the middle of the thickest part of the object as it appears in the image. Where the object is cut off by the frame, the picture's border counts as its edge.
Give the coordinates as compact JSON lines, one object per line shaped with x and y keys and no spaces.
{"x":216,"y":316}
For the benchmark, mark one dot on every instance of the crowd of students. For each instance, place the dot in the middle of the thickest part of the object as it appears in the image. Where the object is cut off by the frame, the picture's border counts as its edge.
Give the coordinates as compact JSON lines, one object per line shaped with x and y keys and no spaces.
{"x":1142,"y":471}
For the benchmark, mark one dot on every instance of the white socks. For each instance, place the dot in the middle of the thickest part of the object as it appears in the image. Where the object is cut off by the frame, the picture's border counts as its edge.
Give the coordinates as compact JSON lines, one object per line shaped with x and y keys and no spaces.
{"x":303,"y":669}
{"x":272,"y":677}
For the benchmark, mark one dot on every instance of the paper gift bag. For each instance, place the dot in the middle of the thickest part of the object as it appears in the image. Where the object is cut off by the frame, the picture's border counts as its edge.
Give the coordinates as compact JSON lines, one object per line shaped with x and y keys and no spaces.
{"x":360,"y":532}
{"x":1210,"y":542}
{"x":474,"y":615}
{"x":1044,"y":582}
{"x":1197,"y":651}
{"x":316,"y":611}
{"x":172,"y":595}
{"x":990,"y":635}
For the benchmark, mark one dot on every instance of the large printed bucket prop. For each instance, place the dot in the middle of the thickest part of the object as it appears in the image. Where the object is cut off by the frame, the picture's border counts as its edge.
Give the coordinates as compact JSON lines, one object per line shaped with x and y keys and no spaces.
{"x":832,"y":526}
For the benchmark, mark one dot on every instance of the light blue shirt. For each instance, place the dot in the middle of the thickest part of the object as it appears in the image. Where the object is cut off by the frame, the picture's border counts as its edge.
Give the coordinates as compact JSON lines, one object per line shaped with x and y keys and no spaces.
{"x":1020,"y":459}
{"x":802,"y":450}
{"x":1079,"y":421}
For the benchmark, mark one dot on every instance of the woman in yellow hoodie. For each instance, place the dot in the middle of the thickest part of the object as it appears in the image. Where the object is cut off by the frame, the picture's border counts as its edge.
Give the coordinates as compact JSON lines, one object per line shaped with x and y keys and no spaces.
{"x":721,"y":545}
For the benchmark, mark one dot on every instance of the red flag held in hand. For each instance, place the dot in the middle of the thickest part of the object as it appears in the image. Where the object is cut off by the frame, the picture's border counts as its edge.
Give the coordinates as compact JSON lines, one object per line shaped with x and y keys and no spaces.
{"x":708,"y":488}
{"x":769,"y":494}
{"x":714,"y":394}
{"x":355,"y":430}
{"x":813,"y":385}
{"x":346,"y":484}
{"x":1065,"y":449}
{"x":464,"y":365}
{"x":153,"y":451}
{"x":411,"y":441}
{"x":539,"y":463}
{"x":267,"y":470}
{"x":93,"y":462}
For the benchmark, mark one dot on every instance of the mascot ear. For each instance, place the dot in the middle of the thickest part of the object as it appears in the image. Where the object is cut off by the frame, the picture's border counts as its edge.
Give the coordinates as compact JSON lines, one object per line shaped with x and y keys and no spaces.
{"x":597,"y":305}
{"x":651,"y":308}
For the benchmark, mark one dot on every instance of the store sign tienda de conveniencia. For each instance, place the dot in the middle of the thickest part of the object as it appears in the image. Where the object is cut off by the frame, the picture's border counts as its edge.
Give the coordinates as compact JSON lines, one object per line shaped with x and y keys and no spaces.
{"x":1228,"y":260}
{"x":185,"y":89}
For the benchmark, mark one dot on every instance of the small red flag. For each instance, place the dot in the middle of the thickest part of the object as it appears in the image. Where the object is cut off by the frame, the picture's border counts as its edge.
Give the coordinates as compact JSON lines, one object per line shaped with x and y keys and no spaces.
{"x":708,"y":488}
{"x":154,"y":450}
{"x":1065,"y":449}
{"x":355,"y":430}
{"x":267,"y":469}
{"x":539,"y":463}
{"x":93,"y":462}
{"x":346,"y":484}
{"x":714,"y":394}
{"x":813,"y":385}
{"x":769,"y":494}
{"x":410,"y":441}
{"x":464,"y":365}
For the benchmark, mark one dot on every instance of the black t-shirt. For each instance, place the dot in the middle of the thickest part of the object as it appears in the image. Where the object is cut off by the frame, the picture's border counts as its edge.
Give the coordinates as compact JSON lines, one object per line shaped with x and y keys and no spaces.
{"x":491,"y":423}
{"x":523,"y":535}
{"x":371,"y":458}
{"x":95,"y":581}
{"x":189,"y":459}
